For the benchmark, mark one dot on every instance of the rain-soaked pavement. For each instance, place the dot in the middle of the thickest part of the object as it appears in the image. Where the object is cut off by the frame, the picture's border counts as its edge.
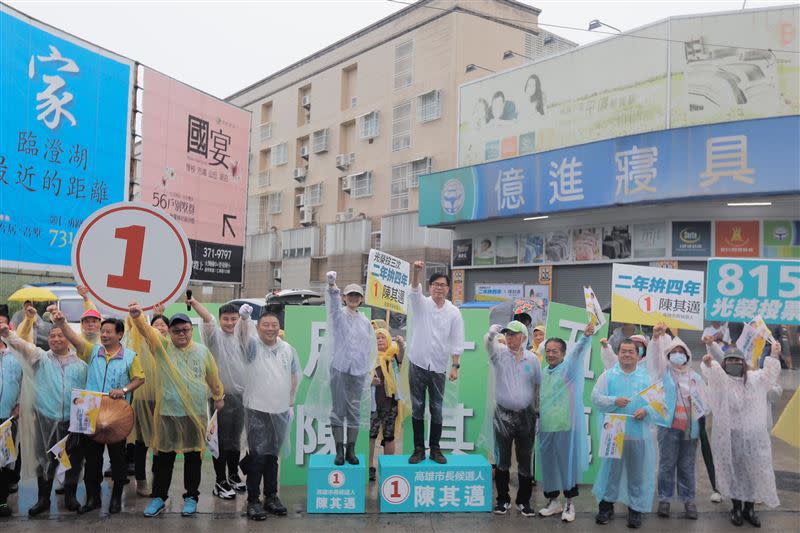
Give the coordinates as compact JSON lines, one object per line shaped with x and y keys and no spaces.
{"x":220,"y":516}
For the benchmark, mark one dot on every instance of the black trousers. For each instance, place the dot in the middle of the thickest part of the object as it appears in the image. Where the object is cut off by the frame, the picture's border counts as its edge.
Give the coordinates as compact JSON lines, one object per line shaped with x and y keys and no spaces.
{"x":93,"y":454}
{"x":571,"y":493}
{"x":705,"y":448}
{"x":261,"y":467}
{"x":9,"y":474}
{"x":192,"y":470}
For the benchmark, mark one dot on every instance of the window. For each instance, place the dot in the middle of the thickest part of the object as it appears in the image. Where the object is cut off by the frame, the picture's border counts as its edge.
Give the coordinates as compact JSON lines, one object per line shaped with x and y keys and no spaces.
{"x":401,"y":126}
{"x":313,"y":195}
{"x":429,"y":106}
{"x":264,"y":178}
{"x":266,"y":131}
{"x":420,"y":167}
{"x":361,"y":185}
{"x":280,"y":155}
{"x":319,"y":141}
{"x":368,"y":125}
{"x":403,"y":64}
{"x":274,"y":203}
{"x":399,"y":195}
{"x":262,"y":212}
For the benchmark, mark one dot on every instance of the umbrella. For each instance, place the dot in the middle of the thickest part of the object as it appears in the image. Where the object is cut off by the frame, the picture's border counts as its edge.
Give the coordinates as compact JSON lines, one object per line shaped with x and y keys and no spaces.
{"x":114,"y":422}
{"x":503,"y":312}
{"x":34,"y":294}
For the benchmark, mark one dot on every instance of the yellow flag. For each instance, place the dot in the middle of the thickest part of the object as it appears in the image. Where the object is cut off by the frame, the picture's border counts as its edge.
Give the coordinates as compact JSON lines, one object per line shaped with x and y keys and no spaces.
{"x":788,"y":426}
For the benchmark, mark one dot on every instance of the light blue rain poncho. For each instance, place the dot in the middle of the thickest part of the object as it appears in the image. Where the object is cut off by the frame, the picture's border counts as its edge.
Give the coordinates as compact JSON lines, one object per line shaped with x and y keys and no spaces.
{"x":563,"y":451}
{"x":632,"y":478}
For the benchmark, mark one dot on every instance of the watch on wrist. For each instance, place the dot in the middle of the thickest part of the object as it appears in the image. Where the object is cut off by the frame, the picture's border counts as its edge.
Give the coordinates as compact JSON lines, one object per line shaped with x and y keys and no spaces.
{"x":125,"y":390}
{"x":456,"y":365}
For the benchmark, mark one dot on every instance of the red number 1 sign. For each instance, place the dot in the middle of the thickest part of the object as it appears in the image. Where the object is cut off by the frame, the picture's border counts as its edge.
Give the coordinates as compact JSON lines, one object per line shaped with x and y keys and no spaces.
{"x":130,"y":251}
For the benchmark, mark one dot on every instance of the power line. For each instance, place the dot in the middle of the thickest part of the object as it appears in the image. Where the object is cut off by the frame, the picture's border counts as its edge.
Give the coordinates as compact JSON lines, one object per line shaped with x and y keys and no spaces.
{"x":646,"y":37}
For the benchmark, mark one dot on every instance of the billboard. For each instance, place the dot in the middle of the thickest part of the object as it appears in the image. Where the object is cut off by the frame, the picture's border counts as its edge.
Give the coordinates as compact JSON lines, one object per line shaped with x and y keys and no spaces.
{"x":64,"y":139}
{"x":709,"y":161}
{"x":195,"y":151}
{"x":673,"y":73}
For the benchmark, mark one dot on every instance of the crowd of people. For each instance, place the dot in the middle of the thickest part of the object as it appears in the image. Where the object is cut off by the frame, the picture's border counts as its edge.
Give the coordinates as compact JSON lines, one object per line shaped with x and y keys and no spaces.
{"x":247,"y":374}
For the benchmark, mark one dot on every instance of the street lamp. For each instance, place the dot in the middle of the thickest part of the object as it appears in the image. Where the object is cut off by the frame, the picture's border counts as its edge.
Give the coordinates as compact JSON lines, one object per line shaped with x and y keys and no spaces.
{"x":594,"y":24}
{"x":472,"y":67}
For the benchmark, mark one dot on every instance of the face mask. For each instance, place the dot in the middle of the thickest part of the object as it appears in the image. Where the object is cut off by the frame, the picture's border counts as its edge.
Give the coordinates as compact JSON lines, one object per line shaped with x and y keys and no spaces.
{"x":734,"y":370}
{"x":678,"y":358}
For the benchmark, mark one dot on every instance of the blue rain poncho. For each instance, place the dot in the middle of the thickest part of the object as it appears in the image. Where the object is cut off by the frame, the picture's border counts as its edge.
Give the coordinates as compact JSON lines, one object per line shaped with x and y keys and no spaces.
{"x":632,"y":478}
{"x":563,"y":451}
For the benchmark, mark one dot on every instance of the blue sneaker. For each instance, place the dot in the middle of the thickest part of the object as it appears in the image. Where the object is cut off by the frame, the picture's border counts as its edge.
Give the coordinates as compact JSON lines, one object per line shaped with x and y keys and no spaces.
{"x":155,"y":508}
{"x":189,"y":507}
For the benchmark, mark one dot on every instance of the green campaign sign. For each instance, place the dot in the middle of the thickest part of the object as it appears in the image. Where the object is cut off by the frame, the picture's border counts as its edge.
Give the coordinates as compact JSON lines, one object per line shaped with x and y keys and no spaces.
{"x":567,"y":322}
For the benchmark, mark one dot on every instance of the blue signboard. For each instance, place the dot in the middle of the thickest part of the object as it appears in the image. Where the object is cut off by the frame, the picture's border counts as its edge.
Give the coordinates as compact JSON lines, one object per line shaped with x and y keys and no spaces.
{"x":741,"y":289}
{"x":731,"y":159}
{"x":336,"y":489}
{"x":691,"y":239}
{"x":64,"y":139}
{"x":462,"y":485}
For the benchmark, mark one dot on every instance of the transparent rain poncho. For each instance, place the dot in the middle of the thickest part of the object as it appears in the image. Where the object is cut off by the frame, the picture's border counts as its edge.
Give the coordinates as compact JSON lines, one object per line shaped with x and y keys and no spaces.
{"x":272,"y":374}
{"x":630,"y":479}
{"x":563,"y":453}
{"x":740,"y":439}
{"x":186,"y":378}
{"x":144,"y":399}
{"x":340,"y":387}
{"x":512,"y":386}
{"x":45,"y":399}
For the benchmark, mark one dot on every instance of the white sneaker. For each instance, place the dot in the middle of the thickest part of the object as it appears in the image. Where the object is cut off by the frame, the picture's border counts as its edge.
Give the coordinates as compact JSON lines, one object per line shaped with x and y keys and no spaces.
{"x":553,"y":507}
{"x":223,"y":491}
{"x":569,"y":513}
{"x":716,"y":497}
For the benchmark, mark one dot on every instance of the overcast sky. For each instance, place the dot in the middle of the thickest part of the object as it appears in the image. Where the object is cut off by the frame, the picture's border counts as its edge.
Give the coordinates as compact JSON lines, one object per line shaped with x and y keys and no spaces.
{"x":221,"y":47}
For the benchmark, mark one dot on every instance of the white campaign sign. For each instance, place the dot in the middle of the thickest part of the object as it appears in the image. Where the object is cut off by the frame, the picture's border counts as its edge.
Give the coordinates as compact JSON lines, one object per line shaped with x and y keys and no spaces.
{"x":128,"y":252}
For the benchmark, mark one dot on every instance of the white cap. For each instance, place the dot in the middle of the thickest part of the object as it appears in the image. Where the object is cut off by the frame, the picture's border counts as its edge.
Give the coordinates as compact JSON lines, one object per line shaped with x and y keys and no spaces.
{"x":354,"y":288}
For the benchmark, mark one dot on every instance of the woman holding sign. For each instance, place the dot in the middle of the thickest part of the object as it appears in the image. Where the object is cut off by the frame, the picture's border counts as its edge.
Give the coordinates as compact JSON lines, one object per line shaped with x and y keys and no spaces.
{"x":116,"y":371}
{"x":49,"y":377}
{"x":668,"y":362}
{"x":742,"y":448}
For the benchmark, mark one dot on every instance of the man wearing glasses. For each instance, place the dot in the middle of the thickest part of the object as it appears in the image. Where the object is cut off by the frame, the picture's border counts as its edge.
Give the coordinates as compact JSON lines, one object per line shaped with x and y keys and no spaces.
{"x":185,"y":372}
{"x":437,"y":333}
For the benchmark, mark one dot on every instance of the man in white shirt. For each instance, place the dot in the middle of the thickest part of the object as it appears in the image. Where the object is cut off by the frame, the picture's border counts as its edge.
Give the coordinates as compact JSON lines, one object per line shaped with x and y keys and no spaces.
{"x":272,"y":375}
{"x":437,"y":333}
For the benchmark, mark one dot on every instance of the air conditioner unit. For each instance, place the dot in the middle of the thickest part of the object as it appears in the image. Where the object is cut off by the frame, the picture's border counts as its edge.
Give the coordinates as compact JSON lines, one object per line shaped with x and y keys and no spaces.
{"x":306,"y":102}
{"x":340,"y":217}
{"x":306,"y":215}
{"x":299,"y":200}
{"x":342,"y":161}
{"x":347,"y":183}
{"x":300,"y":174}
{"x":348,"y":215}
{"x":304,"y":152}
{"x":276,"y":273}
{"x":352,"y":158}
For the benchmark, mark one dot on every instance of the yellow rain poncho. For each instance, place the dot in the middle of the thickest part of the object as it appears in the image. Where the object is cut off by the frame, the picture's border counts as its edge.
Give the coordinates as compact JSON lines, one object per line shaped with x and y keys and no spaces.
{"x":184,"y":379}
{"x":144,"y":400}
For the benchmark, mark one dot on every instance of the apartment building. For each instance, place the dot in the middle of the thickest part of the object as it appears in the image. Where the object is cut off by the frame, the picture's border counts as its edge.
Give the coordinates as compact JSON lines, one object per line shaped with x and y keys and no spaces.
{"x":340,"y":138}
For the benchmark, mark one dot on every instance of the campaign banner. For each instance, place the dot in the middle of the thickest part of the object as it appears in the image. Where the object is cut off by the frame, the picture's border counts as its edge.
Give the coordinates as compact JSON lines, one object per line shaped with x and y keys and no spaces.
{"x":656,"y":397}
{"x":195,"y":151}
{"x":64,"y":138}
{"x":736,"y":238}
{"x":457,"y":296}
{"x":567,"y":322}
{"x":8,"y":449}
{"x":739,"y":289}
{"x":59,"y":450}
{"x":612,"y":438}
{"x":212,"y":435}
{"x":648,"y":295}
{"x":498,"y":292}
{"x":387,"y":281}
{"x":83,"y":411}
{"x":593,"y":308}
{"x":751,"y":343}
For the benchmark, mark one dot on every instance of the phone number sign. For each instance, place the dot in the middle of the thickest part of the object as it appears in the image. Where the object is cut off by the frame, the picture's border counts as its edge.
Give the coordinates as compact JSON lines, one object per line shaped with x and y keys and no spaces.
{"x":129,"y":252}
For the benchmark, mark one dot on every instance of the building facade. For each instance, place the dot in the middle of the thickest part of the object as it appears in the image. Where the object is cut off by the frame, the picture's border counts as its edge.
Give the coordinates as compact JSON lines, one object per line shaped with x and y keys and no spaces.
{"x":340,"y":139}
